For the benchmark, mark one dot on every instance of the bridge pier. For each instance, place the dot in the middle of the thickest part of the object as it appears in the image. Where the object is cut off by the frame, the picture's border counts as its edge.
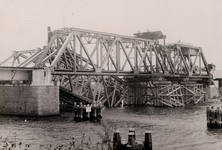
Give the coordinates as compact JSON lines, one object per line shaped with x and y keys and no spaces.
{"x":40,"y":98}
{"x":139,"y":92}
{"x":206,"y":88}
{"x":212,"y":91}
{"x":220,"y":86}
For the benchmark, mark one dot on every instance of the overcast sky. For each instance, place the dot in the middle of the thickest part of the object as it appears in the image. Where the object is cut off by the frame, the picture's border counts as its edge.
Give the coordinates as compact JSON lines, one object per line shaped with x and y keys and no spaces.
{"x":23,"y":23}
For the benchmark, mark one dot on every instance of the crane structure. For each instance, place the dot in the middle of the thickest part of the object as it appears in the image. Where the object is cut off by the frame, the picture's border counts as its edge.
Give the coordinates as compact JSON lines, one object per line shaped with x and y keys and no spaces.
{"x":113,"y":69}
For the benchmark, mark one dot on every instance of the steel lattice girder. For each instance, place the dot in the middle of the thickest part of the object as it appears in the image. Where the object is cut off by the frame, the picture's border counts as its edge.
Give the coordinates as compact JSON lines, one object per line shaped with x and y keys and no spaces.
{"x":74,"y":53}
{"x":26,"y":58}
{"x":100,"y":53}
{"x":77,"y":51}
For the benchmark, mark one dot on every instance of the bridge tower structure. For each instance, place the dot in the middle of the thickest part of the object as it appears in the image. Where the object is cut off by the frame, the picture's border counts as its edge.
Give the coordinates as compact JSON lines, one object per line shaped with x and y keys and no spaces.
{"x":91,"y":66}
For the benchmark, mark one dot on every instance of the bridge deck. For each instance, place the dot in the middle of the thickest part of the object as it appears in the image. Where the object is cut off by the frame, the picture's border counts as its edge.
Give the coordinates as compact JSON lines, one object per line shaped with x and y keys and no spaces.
{"x":70,"y":97}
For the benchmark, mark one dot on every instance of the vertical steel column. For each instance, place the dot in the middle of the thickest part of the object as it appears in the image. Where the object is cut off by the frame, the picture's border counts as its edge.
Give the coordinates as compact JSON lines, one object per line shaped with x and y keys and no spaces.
{"x":74,"y":53}
{"x":117,"y":56}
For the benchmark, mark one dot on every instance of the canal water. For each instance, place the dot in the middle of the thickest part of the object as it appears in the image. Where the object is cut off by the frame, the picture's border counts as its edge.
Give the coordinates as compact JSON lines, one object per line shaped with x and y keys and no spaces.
{"x":172,"y":128}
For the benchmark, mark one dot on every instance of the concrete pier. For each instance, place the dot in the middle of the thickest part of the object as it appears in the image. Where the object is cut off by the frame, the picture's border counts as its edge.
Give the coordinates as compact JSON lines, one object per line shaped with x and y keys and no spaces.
{"x":220,"y":86}
{"x":40,"y":98}
{"x":217,"y":76}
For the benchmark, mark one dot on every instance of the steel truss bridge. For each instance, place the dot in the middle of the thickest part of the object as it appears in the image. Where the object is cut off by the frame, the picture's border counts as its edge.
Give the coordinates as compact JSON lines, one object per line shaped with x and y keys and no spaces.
{"x":111,"y":68}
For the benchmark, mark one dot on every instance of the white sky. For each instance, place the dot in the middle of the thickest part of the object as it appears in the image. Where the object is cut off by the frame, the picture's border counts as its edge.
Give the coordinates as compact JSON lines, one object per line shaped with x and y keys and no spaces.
{"x":23,"y":23}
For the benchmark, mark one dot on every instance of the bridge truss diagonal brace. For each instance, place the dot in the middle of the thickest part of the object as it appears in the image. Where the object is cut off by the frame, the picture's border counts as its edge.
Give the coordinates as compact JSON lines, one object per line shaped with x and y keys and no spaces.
{"x":183,"y":60}
{"x":84,"y":48}
{"x":92,"y":53}
{"x":31,"y":59}
{"x":10,"y":57}
{"x":127,"y":56}
{"x":45,"y":51}
{"x":62,"y":49}
{"x":108,"y":54}
{"x":143,"y":56}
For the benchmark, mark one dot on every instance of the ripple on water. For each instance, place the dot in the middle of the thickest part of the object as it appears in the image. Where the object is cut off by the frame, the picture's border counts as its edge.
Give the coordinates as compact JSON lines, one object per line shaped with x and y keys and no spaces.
{"x":171,"y":128}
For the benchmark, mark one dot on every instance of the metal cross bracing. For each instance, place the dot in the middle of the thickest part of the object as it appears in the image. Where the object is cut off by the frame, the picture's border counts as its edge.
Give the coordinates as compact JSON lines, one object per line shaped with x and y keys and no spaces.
{"x":178,"y":95}
{"x":76,"y":51}
{"x":23,"y":58}
{"x":101,"y":53}
{"x":94,"y":65}
{"x":94,"y":88}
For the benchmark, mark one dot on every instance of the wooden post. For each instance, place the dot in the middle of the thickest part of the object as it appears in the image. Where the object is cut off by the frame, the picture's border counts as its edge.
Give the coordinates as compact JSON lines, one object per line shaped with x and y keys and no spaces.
{"x":99,"y":110}
{"x":220,"y":88}
{"x":208,"y":117}
{"x":84,"y":112}
{"x":213,"y":112}
{"x":81,"y":111}
{"x":214,"y":117}
{"x":148,"y":141}
{"x":94,"y":111}
{"x":77,"y":113}
{"x":211,"y":116}
{"x":116,"y":140}
{"x":74,"y":105}
{"x":218,"y":118}
{"x":88,"y":112}
{"x":132,"y":138}
{"x":132,"y":130}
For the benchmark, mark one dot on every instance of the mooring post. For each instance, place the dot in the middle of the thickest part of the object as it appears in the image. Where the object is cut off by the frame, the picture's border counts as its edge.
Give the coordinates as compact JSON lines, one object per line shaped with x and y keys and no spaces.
{"x":220,"y":88}
{"x":116,"y":140}
{"x":213,"y":112}
{"x":208,"y":117}
{"x":214,"y":117}
{"x":218,"y":118}
{"x":94,"y":111}
{"x":81,"y":111}
{"x":132,"y":138}
{"x":88,"y":110}
{"x":132,"y":130}
{"x":84,"y":112}
{"x":77,"y":113}
{"x":99,"y":110}
{"x":74,"y":105}
{"x":148,"y":141}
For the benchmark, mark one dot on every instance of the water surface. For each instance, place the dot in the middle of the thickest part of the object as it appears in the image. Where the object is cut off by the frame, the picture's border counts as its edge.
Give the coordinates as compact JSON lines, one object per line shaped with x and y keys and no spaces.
{"x":183,"y":128}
